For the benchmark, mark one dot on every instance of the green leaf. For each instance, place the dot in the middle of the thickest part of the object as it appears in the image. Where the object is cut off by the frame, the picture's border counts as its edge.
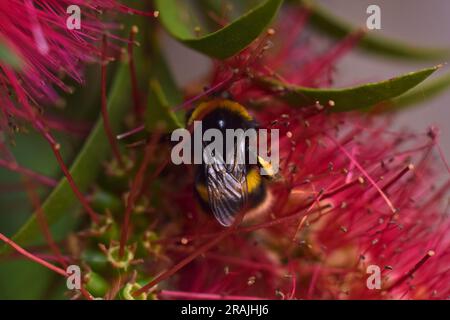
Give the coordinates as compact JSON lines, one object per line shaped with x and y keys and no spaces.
{"x":224,"y":42}
{"x":329,"y":24}
{"x":418,"y":95}
{"x":159,"y":113}
{"x":85,"y":167}
{"x":353,"y":98}
{"x":31,"y":284}
{"x":10,"y":58}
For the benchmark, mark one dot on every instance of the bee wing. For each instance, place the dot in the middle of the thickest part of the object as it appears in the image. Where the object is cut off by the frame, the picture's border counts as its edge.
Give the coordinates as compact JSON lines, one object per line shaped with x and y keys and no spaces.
{"x":227,"y":186}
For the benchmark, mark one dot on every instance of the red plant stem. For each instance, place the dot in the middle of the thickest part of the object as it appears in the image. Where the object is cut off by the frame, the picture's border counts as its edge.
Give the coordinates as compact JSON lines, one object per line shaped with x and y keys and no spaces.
{"x":104,"y":107}
{"x":78,"y":194}
{"x":31,"y":256}
{"x":115,"y":288}
{"x":42,"y":262}
{"x":29,"y":173}
{"x":203,"y":296}
{"x":86,"y":293}
{"x":134,"y":84}
{"x":42,"y":221}
{"x":411,"y":272}
{"x":134,"y":192}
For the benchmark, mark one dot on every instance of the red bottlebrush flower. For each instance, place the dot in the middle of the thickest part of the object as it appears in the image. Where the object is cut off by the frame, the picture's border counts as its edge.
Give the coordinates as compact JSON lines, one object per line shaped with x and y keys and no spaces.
{"x":328,"y":223}
{"x":354,"y":197}
{"x":37,"y":32}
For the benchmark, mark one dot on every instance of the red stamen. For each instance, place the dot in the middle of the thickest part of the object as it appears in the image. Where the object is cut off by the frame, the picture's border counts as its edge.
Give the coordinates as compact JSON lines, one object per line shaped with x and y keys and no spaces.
{"x":42,"y":262}
{"x":129,"y":10}
{"x":31,"y":256}
{"x":106,"y":123}
{"x":294,"y":286}
{"x":78,"y":194}
{"x":134,"y":85}
{"x":155,"y":175}
{"x":411,"y":272}
{"x":364,"y":172}
{"x":29,"y":173}
{"x":203,"y":296}
{"x":442,"y":156}
{"x":131,"y":132}
{"x":214,"y":88}
{"x":294,"y":214}
{"x":134,"y":191}
{"x":340,"y":189}
{"x":243,"y":263}
{"x":313,"y":70}
{"x":313,"y":282}
{"x":398,"y":176}
{"x":42,"y":221}
{"x":202,"y":249}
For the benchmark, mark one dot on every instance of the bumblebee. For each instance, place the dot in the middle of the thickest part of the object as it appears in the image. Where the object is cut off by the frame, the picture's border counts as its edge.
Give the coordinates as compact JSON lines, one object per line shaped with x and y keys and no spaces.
{"x":228,"y":189}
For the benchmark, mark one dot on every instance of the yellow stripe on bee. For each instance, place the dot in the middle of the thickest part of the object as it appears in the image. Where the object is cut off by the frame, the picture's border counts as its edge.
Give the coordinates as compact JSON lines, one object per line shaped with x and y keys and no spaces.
{"x":206,"y":107}
{"x":202,"y":191}
{"x":253,"y":183}
{"x":253,"y":180}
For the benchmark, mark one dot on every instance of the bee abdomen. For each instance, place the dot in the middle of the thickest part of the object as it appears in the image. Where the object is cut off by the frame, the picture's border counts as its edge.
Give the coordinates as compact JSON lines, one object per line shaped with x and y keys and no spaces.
{"x":256,"y":192}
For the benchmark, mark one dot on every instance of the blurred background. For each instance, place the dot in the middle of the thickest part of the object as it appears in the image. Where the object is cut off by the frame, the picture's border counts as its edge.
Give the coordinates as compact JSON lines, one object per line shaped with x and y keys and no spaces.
{"x":418,"y":22}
